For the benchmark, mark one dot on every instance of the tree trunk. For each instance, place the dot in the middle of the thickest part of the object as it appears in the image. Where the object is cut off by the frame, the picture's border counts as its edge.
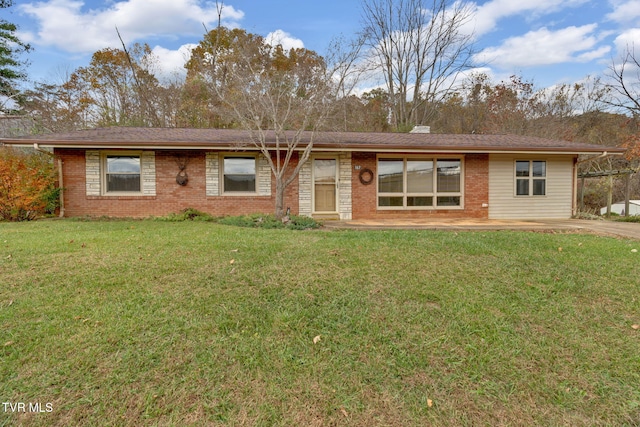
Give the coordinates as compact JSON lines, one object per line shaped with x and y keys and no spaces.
{"x":279,"y":198}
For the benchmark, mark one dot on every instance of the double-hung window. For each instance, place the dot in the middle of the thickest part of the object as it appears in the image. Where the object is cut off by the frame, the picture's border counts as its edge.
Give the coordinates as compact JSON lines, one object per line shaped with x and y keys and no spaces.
{"x":419,"y":183}
{"x":239,"y":174}
{"x":531,"y":177}
{"x":122,"y":173}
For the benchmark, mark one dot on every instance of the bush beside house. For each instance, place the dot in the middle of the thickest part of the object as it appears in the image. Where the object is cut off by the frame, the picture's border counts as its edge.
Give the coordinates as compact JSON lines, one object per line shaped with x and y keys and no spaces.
{"x":27,"y":185}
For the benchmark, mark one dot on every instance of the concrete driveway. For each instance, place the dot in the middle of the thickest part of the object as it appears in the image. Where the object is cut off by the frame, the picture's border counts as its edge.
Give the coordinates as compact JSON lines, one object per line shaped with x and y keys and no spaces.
{"x":629,"y":230}
{"x":610,"y":228}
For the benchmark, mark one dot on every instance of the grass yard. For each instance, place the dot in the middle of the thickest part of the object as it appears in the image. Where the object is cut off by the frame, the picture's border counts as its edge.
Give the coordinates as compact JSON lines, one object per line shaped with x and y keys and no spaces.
{"x":135,"y":323}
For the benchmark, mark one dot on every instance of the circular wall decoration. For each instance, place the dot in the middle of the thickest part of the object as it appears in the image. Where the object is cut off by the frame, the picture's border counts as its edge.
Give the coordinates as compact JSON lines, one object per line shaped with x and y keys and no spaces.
{"x":366,"y":176}
{"x":182,"y":178}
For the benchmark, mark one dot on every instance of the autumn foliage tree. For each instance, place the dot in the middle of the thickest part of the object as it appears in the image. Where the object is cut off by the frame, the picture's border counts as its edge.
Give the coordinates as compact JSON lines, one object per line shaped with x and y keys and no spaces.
{"x":27,"y":185}
{"x":209,"y":71}
{"x":59,"y":107}
{"x":119,"y":87}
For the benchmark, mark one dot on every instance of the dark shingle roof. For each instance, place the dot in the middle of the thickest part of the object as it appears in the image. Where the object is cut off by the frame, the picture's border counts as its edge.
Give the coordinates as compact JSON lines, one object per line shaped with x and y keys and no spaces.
{"x":187,"y":138}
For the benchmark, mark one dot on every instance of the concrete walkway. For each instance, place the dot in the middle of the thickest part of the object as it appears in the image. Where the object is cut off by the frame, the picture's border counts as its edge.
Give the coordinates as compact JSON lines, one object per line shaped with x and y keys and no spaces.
{"x":611,"y":228}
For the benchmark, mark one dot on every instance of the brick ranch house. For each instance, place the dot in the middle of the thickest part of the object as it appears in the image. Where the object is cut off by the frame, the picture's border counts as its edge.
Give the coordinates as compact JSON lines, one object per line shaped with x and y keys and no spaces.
{"x":139,"y":172}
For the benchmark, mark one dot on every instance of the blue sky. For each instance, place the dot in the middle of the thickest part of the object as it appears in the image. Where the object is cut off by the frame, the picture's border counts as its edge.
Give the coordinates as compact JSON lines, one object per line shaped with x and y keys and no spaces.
{"x":547,"y":41}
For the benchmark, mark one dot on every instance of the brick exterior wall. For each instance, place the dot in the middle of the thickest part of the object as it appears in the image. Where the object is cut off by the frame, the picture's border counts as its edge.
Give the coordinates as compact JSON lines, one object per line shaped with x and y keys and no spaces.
{"x":169,"y":196}
{"x":476,"y":192}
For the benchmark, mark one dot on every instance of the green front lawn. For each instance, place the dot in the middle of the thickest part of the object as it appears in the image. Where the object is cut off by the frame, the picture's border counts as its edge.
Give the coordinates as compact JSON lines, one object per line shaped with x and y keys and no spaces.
{"x":132,"y":323}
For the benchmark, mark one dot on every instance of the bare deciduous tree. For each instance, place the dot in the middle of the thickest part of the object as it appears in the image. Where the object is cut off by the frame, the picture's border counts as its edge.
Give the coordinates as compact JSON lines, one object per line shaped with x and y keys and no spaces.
{"x":421,"y":47}
{"x":282,"y":97}
{"x":625,"y":87}
{"x":625,"y":82}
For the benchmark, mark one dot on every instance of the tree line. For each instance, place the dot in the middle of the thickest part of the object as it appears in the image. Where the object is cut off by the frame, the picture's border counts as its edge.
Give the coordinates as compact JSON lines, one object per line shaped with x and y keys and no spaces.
{"x":121,"y":88}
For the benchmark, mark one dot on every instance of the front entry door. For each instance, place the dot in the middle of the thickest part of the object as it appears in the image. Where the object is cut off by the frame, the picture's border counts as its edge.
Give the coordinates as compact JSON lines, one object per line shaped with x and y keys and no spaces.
{"x":324,"y":185}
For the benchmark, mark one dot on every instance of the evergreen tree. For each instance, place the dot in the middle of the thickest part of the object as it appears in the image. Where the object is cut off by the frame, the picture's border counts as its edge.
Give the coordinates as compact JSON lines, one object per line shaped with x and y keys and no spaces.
{"x":11,"y":67}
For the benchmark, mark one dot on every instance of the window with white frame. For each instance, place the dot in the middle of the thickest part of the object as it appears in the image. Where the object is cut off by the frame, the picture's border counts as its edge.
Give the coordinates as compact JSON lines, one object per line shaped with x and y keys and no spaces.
{"x":419,"y":183}
{"x":531,"y":177}
{"x":122,"y":173}
{"x":239,"y":174}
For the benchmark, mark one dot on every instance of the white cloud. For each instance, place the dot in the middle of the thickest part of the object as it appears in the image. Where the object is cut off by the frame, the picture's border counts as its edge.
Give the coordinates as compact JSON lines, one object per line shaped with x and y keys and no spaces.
{"x":171,"y":62}
{"x":488,"y":14}
{"x":545,"y":47}
{"x":65,"y":25}
{"x":279,"y":37}
{"x":625,"y":11}
{"x":628,"y":39}
{"x":592,"y":55}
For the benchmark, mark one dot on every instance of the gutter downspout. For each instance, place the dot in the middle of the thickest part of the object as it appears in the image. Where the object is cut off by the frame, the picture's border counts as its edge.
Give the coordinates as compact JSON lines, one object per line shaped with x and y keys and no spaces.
{"x":60,"y":181}
{"x":574,"y":197}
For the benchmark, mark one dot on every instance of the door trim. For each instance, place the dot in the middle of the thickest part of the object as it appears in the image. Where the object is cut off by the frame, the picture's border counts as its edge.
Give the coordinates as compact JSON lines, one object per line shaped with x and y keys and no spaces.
{"x":336,"y":159}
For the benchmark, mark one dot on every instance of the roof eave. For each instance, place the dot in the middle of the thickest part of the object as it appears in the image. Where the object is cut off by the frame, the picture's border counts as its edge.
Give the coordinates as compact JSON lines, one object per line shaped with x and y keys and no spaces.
{"x":318,"y":147}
